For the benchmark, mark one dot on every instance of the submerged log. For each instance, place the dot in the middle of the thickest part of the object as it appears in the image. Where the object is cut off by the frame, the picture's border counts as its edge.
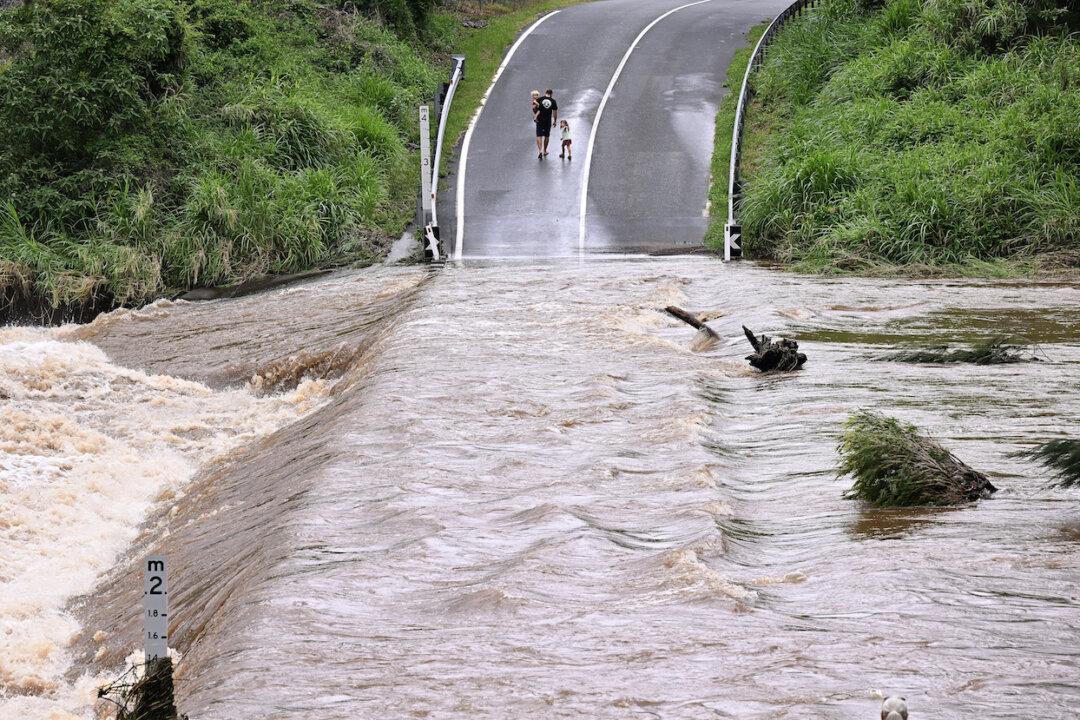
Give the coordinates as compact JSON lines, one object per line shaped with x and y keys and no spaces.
{"x":781,"y":354}
{"x":691,"y":321}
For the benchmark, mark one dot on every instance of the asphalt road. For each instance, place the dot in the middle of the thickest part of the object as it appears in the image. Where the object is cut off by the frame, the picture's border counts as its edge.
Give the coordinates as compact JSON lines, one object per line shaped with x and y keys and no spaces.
{"x":649,"y":177}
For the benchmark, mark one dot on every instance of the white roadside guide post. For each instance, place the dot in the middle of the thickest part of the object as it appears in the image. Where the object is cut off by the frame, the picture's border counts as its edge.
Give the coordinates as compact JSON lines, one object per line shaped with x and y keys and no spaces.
{"x":155,"y":608}
{"x":431,"y":248}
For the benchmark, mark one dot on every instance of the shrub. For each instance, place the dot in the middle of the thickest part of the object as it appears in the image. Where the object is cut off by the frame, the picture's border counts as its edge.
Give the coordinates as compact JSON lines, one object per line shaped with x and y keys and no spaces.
{"x":894,"y":465}
{"x":83,"y":71}
{"x":152,"y":145}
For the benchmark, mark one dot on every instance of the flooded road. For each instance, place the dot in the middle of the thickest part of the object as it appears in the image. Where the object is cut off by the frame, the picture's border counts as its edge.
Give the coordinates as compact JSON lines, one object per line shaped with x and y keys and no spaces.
{"x":513,"y":490}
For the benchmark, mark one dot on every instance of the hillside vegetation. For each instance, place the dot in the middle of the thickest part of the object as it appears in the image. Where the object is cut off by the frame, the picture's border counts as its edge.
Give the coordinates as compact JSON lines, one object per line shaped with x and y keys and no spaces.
{"x":923,"y":133}
{"x":148,"y":145}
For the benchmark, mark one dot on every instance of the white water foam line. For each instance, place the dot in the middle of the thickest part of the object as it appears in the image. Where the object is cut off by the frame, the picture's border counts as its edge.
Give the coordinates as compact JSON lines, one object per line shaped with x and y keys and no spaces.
{"x":600,"y":112}
{"x":460,"y":209}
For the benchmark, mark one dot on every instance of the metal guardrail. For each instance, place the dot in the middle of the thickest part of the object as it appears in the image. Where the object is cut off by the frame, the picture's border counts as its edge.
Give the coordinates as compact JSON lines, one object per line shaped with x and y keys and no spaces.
{"x":429,"y":210}
{"x":733,"y":228}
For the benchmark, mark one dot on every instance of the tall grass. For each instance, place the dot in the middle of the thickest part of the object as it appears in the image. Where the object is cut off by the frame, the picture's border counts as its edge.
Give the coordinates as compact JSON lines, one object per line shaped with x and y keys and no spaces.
{"x":1061,"y":457}
{"x":918,"y":133}
{"x":894,"y":465}
{"x":148,"y":146}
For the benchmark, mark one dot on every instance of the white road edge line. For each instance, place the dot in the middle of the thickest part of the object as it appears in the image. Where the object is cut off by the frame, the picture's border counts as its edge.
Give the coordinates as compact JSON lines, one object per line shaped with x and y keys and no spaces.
{"x":459,"y":210}
{"x":600,"y":111}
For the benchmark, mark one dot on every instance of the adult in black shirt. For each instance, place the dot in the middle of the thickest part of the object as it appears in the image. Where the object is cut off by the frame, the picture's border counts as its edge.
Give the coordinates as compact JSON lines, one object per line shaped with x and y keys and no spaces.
{"x":546,"y":114}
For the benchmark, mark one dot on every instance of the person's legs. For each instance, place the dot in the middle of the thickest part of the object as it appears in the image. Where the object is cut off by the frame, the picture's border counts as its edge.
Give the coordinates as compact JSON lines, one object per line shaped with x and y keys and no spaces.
{"x":546,"y":138}
{"x":539,"y":143}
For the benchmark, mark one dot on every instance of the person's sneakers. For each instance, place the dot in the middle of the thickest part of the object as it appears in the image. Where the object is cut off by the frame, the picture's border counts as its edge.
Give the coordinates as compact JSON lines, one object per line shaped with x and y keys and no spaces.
{"x":540,"y":156}
{"x":561,"y":156}
{"x":545,"y":153}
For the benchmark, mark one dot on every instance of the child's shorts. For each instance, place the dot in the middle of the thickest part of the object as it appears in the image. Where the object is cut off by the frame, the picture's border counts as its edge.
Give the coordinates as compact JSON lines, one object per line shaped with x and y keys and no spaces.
{"x":566,"y":143}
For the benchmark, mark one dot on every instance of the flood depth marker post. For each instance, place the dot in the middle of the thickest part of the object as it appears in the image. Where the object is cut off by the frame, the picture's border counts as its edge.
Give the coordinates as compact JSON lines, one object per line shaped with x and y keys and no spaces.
{"x":431,"y":248}
{"x":155,"y":608}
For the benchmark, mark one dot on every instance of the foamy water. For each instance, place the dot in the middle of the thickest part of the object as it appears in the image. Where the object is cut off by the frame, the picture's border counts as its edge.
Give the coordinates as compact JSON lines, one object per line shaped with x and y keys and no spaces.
{"x":86,"y":447}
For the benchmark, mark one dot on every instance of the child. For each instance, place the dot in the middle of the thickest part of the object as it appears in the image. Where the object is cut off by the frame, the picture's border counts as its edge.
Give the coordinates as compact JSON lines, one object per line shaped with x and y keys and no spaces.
{"x":564,"y":127}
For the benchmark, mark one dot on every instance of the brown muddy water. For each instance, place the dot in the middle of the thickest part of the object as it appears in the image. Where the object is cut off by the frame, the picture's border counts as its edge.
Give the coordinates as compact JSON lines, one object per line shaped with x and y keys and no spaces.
{"x":520,"y":490}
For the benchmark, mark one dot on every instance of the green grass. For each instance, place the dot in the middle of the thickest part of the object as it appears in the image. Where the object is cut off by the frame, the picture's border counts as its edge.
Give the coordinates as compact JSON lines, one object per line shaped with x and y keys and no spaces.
{"x":894,"y":465}
{"x":157,"y":145}
{"x":483,"y":49}
{"x":1061,"y":457}
{"x":928,"y":136}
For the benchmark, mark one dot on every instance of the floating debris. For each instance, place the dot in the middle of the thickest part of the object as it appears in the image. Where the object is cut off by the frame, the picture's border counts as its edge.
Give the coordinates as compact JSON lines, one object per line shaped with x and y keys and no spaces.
{"x":894,"y":465}
{"x":145,"y":696}
{"x":996,"y":351}
{"x":1062,"y":457}
{"x":781,"y":355}
{"x":706,"y":337}
{"x":691,"y":320}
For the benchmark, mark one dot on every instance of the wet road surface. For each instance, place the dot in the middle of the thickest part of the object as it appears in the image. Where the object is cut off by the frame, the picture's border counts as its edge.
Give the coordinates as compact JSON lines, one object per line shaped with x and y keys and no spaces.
{"x":650,"y":170}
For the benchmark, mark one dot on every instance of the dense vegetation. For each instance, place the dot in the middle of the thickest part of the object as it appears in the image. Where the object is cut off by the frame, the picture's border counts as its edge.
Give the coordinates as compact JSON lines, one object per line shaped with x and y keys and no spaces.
{"x":156,"y":144}
{"x":929,"y":133}
{"x":894,"y":465}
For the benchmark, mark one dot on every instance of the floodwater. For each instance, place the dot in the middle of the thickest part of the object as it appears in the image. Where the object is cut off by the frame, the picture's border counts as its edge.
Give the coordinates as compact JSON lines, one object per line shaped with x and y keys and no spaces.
{"x":521,"y":490}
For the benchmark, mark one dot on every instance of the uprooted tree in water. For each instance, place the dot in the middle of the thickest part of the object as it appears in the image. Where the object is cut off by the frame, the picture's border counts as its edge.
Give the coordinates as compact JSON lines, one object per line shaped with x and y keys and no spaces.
{"x":895,"y":465}
{"x":781,"y":354}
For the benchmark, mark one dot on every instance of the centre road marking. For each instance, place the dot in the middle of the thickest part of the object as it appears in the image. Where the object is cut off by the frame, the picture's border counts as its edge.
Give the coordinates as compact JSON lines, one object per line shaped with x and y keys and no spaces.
{"x":600,"y":111}
{"x":460,"y":209}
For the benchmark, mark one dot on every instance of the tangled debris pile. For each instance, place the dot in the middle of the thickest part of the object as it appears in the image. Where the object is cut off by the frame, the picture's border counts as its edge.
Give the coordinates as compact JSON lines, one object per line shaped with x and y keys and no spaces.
{"x":781,"y":355}
{"x":995,"y":351}
{"x":144,"y":696}
{"x":894,"y":465}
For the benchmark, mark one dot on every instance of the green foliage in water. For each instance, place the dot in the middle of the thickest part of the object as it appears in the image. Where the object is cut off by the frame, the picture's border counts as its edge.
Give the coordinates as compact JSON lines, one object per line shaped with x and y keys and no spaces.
{"x":894,"y":465}
{"x":995,"y":351}
{"x":920,"y":133}
{"x":156,"y":144}
{"x":1061,"y":457}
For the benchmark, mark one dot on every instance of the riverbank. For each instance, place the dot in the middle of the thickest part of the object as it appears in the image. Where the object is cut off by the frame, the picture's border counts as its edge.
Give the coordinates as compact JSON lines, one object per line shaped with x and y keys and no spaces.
{"x":225,"y":142}
{"x":915,"y":138}
{"x":156,"y":147}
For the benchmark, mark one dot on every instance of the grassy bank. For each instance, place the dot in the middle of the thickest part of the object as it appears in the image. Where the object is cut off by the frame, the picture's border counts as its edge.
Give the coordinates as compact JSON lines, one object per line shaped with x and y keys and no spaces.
{"x":499,"y":24}
{"x":918,"y":135}
{"x":154,"y":145}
